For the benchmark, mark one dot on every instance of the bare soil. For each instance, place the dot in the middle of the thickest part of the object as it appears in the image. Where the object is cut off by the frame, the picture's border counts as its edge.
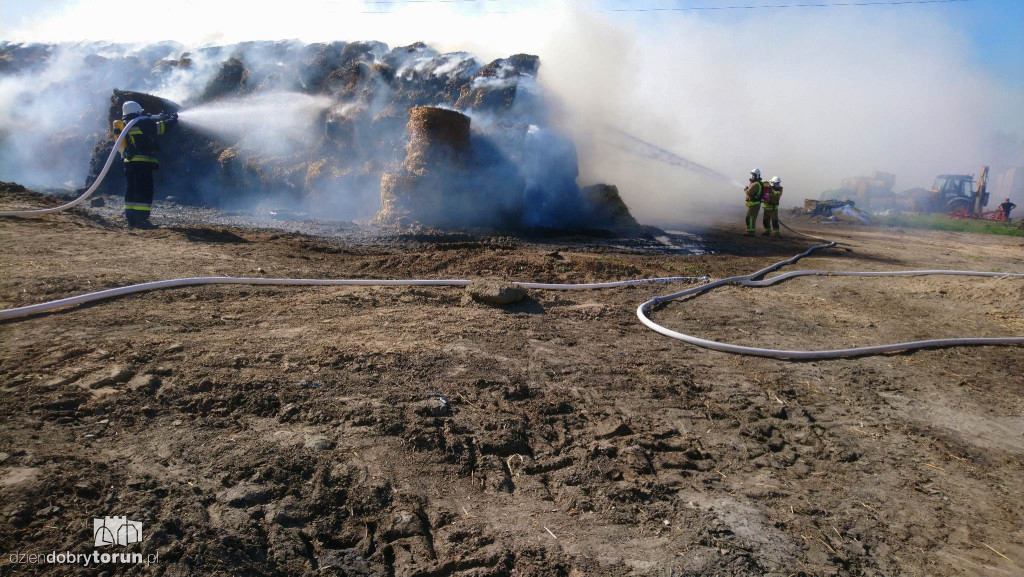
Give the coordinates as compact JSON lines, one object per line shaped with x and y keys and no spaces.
{"x":414,"y":431}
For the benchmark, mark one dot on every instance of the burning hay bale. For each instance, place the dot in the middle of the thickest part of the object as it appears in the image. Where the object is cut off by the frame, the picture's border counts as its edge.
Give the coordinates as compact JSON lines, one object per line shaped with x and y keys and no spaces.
{"x":231,"y":80}
{"x":496,"y":86}
{"x":400,"y":200}
{"x":167,"y":65}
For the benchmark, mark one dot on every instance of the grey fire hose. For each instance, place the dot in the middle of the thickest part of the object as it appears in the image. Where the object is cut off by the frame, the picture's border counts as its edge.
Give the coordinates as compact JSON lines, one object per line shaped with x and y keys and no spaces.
{"x":741,"y":280}
{"x":751,"y":280}
{"x":206,"y":280}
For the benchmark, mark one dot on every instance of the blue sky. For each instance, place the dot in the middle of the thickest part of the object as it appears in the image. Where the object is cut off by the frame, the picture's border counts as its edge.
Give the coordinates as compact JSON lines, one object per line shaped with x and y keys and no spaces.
{"x":995,"y":28}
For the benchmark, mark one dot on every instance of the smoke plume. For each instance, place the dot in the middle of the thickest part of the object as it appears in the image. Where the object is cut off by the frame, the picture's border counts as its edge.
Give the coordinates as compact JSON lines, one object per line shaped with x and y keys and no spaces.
{"x":811,"y":95}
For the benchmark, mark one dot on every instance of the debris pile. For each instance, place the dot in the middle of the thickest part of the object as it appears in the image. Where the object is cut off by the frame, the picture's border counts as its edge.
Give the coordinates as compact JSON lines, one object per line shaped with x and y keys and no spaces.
{"x":834,"y":211}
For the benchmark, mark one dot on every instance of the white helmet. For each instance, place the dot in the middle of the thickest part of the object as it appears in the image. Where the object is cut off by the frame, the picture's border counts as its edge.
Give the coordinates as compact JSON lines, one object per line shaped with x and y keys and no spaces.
{"x":775,"y":181}
{"x":130,"y":107}
{"x":756,"y":173}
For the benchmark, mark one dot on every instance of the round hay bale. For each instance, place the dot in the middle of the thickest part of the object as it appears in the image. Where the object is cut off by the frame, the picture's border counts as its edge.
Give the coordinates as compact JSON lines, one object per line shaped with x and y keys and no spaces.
{"x":438,"y":137}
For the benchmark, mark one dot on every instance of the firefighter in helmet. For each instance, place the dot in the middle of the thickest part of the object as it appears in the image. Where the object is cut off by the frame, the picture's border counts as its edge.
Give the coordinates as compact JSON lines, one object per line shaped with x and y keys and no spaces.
{"x":138,"y":150}
{"x":753,"y":192}
{"x":772,"y":195}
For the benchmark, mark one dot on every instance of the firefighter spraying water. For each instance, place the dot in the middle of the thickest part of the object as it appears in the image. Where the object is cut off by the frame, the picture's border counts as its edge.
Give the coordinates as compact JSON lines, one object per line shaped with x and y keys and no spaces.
{"x":139,"y":151}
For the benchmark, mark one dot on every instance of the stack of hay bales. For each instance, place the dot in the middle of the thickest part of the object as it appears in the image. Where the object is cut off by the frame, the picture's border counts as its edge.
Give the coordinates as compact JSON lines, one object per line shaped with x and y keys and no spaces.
{"x":510,"y":177}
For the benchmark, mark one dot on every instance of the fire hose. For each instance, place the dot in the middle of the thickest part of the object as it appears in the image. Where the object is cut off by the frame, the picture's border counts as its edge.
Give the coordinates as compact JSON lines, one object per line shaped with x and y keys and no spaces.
{"x":96,"y":183}
{"x":206,"y":280}
{"x":751,"y":280}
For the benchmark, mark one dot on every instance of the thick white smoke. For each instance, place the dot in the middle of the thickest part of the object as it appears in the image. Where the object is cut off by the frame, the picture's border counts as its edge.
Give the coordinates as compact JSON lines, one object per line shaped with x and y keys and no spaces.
{"x":813,"y":95}
{"x":810,"y":96}
{"x":52,"y":114}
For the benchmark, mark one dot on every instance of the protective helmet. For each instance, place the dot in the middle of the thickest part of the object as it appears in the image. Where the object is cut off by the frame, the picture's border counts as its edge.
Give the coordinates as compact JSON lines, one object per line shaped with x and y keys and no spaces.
{"x":775,"y":181}
{"x":130,"y":107}
{"x":756,"y":173}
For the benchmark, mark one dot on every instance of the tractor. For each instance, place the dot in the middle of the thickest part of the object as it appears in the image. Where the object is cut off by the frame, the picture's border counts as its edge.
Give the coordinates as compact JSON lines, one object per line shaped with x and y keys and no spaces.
{"x":954,"y":194}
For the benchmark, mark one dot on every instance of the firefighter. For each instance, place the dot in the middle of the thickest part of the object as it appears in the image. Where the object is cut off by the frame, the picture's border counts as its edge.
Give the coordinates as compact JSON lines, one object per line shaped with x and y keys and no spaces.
{"x":771,"y":196}
{"x":753,"y":192}
{"x":139,"y":152}
{"x":1007,"y":206}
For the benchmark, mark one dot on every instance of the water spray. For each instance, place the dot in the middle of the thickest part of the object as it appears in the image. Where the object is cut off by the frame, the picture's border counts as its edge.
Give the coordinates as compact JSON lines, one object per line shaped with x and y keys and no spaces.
{"x":626,"y":142}
{"x":274,"y":122}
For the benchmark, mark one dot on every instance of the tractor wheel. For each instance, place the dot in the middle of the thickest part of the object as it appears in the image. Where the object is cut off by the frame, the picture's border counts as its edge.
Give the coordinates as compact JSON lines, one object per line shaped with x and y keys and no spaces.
{"x":959,"y":206}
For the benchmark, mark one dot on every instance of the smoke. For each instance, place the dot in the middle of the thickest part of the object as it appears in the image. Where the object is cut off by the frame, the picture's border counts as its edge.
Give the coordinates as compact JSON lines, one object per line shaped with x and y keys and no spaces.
{"x":811,"y":95}
{"x":277,"y":123}
{"x":53,"y":110}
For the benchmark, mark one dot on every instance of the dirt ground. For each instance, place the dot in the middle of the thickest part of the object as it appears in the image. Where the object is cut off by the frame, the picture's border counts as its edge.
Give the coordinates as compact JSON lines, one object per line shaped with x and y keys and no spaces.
{"x":414,"y":431}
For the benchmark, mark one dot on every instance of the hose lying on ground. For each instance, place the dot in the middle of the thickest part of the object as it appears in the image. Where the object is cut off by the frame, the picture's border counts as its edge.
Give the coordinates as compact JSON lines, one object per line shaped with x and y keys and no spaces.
{"x":96,"y":183}
{"x":751,"y":280}
{"x":641,"y":312}
{"x":805,"y":235}
{"x":741,"y":280}
{"x":205,"y":280}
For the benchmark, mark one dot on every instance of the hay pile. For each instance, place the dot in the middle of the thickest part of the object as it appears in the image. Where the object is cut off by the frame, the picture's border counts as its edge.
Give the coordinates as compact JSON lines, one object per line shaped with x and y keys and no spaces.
{"x":508,"y":177}
{"x":606,"y":208}
{"x":231,"y":80}
{"x":392,"y":146}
